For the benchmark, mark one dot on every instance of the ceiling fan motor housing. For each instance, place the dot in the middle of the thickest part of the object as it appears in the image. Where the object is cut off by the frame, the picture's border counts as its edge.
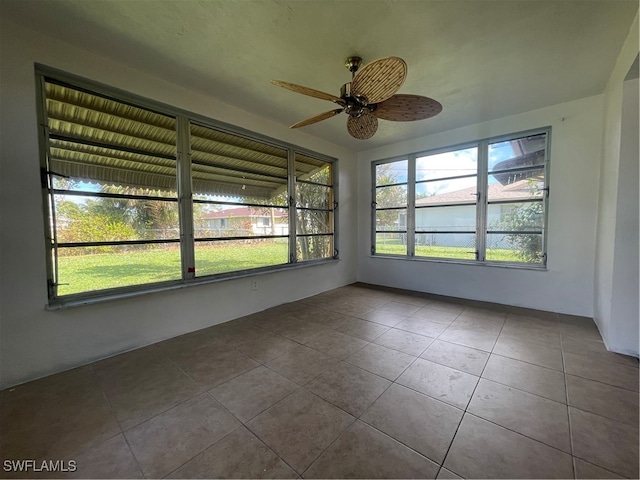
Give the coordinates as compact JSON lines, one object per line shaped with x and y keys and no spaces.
{"x":355,"y":105}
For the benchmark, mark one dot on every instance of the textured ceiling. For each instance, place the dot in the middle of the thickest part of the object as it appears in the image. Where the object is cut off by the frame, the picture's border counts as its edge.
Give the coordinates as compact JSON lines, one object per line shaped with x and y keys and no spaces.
{"x":481,"y":59}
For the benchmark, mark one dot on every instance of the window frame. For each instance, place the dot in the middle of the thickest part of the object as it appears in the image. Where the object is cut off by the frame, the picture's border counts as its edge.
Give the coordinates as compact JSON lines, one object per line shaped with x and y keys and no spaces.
{"x":481,"y":203}
{"x":184,"y":192}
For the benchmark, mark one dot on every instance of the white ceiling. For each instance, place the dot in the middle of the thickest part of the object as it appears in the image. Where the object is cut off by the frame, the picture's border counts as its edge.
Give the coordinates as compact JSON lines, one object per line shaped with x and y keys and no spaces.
{"x":481,"y":59}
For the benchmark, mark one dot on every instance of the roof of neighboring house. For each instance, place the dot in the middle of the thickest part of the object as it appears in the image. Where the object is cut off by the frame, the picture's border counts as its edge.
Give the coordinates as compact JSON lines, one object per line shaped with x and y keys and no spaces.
{"x":512,"y":191}
{"x":244,"y":212}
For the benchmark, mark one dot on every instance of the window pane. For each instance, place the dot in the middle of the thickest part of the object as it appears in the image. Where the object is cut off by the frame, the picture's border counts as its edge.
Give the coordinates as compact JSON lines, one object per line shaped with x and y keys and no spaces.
{"x":231,"y":168}
{"x":228,"y":221}
{"x":391,"y":243}
{"x":520,"y":152}
{"x":392,"y":172}
{"x":516,"y":185}
{"x":448,"y":164}
{"x":522,"y":248}
{"x":454,"y":218}
{"x":391,"y":220}
{"x":99,"y":219}
{"x":87,"y":269}
{"x":515,"y":216}
{"x":461,"y":190}
{"x":311,"y":221}
{"x":314,"y":248}
{"x":313,"y":169}
{"x":395,"y":196}
{"x":444,"y":245}
{"x":313,"y":196}
{"x":232,"y":255}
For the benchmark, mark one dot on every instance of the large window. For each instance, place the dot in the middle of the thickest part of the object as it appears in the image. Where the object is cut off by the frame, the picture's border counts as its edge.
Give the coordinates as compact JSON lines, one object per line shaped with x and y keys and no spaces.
{"x":484,"y":202}
{"x":140,"y":196}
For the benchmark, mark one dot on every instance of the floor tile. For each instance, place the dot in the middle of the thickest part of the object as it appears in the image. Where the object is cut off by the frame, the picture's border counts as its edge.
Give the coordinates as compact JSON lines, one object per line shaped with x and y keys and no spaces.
{"x":109,"y":459}
{"x":238,"y":455}
{"x":602,"y":399}
{"x":605,"y":443}
{"x":349,"y":388}
{"x":231,"y":334}
{"x":363,"y":452}
{"x":434,"y":315}
{"x":390,"y":319}
{"x":55,"y":417}
{"x":418,"y":421}
{"x":549,"y":339}
{"x":336,"y":344}
{"x":470,"y":338}
{"x":422,"y":327}
{"x":443,"y":383}
{"x":167,"y":441}
{"x":188,"y":342}
{"x":267,"y":348}
{"x":444,"y":306}
{"x":399,"y":308}
{"x":406,"y":342}
{"x":467,"y":359}
{"x":482,"y":324}
{"x":300,"y":427}
{"x":128,"y":370}
{"x":525,"y":376}
{"x":253,"y":392}
{"x":589,"y":470}
{"x":301,"y":364}
{"x":302,"y":332}
{"x":153,"y":395}
{"x":536,"y":417}
{"x":213,"y":364}
{"x":610,"y":373}
{"x":444,"y":473}
{"x":484,"y":450}
{"x":332,"y":319}
{"x":362,"y":329}
{"x":597,"y":351}
{"x":486,"y":313}
{"x":508,"y":346}
{"x":383,"y":361}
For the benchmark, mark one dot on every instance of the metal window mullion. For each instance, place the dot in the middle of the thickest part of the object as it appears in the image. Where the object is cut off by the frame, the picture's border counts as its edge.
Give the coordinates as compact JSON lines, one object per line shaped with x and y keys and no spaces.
{"x":291,"y":166}
{"x":47,"y":192}
{"x":545,"y":198}
{"x":185,"y":194}
{"x":411,"y":206}
{"x":481,"y":208}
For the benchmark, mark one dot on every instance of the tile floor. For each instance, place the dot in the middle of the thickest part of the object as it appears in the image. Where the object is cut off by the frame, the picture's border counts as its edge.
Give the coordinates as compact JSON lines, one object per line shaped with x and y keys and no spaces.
{"x":357,"y":382}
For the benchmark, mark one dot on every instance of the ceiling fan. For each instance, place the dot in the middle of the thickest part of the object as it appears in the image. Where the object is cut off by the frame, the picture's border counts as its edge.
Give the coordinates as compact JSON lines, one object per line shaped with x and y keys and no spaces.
{"x":370,"y":95}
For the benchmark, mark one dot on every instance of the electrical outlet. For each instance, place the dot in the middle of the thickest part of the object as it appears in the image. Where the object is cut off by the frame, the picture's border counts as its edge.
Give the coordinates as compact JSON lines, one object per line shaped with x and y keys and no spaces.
{"x":254,"y":285}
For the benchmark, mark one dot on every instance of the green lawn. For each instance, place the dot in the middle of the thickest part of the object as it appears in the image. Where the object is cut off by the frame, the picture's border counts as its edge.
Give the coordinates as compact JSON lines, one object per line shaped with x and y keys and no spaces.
{"x":494,"y":254}
{"x":108,"y":270}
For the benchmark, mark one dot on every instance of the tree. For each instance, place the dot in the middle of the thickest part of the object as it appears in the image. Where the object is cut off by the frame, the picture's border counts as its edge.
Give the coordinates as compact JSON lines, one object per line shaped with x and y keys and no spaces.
{"x":528,"y":247}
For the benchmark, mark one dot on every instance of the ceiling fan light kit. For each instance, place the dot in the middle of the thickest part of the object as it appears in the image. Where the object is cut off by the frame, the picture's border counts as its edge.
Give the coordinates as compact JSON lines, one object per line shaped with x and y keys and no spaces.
{"x":370,"y":95}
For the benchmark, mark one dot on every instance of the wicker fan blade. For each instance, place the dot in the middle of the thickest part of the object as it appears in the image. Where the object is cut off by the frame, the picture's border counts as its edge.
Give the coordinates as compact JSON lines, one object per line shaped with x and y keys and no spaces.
{"x":362,"y":127}
{"x":317,"y":118}
{"x":406,"y":108}
{"x":308,"y":91}
{"x":379,"y":80}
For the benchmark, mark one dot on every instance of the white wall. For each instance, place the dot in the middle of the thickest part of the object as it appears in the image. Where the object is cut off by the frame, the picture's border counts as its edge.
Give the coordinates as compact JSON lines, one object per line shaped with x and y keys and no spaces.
{"x":615,"y":295}
{"x":36,"y":342}
{"x":567,"y":285}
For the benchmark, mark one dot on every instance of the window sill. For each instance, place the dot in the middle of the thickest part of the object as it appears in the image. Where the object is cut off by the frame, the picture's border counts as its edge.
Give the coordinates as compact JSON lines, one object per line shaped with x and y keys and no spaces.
{"x":517,"y":266}
{"x":81,"y":299}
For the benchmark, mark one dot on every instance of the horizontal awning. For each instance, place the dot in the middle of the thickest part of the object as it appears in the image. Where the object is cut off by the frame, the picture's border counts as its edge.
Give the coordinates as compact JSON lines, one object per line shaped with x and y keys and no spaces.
{"x":93,"y":138}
